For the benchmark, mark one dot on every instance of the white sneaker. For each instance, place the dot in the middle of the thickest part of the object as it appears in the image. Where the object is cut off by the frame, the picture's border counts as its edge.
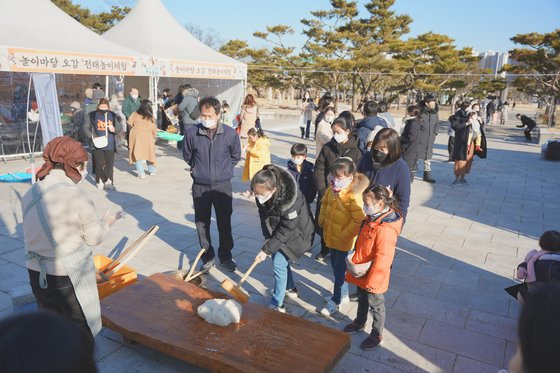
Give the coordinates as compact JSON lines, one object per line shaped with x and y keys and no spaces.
{"x":292,"y":293}
{"x":110,"y":186}
{"x":100,"y":185}
{"x":142,"y":176}
{"x":276,"y":308}
{"x":330,"y":309}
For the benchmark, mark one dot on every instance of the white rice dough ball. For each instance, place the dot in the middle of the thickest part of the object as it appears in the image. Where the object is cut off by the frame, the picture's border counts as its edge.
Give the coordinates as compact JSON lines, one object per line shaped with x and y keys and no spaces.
{"x":220,"y":312}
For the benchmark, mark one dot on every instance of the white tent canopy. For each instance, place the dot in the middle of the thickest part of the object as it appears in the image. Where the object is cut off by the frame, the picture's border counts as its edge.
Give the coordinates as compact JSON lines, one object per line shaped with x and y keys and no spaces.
{"x":150,"y":29}
{"x":37,"y":36}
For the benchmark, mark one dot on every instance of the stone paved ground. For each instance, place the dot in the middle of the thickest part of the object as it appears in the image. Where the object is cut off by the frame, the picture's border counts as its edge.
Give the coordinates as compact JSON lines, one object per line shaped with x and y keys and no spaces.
{"x":446,"y":308}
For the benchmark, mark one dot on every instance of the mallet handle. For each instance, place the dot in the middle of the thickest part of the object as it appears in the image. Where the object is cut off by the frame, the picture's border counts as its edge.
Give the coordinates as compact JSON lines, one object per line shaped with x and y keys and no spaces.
{"x":194,"y":264}
{"x":247,"y":274}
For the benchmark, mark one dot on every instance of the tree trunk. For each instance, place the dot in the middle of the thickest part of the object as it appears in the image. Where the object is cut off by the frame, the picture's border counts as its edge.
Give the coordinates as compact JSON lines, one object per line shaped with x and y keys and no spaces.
{"x":551,"y":112}
{"x":354,"y":98}
{"x":336,"y":93}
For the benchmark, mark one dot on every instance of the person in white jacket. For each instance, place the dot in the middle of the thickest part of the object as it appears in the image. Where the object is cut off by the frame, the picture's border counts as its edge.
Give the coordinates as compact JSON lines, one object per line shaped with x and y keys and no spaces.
{"x":324,"y":132}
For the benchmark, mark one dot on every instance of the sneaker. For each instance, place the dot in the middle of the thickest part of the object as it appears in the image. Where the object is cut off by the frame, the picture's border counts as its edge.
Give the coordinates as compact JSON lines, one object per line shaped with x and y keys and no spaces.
{"x":352,"y":328}
{"x":153,"y":173}
{"x":371,"y":342}
{"x":353,"y":297}
{"x":292,"y":293}
{"x":280,"y":309}
{"x":110,"y":186}
{"x":330,"y":308}
{"x":100,"y":185}
{"x":455,"y":183}
{"x":142,"y":176}
{"x":229,"y":265}
{"x":343,"y":300}
{"x":322,"y":256}
{"x":209,"y":264}
{"x":463,"y":181}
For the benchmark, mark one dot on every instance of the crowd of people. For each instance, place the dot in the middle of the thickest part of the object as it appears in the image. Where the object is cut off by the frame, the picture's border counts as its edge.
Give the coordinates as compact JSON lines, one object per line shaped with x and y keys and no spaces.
{"x":360,"y":184}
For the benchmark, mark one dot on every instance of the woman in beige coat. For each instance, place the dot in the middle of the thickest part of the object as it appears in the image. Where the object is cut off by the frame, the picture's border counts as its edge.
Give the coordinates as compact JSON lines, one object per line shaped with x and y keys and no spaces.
{"x":249,"y":114}
{"x":141,"y":146}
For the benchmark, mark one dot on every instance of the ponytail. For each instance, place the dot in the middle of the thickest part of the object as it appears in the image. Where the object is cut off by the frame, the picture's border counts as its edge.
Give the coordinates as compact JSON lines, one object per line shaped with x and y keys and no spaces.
{"x":267,"y":176}
{"x":382,"y":193}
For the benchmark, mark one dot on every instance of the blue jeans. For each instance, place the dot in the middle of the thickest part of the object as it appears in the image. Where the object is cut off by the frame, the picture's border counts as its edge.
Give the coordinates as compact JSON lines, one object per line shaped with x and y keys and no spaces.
{"x":338,"y":263}
{"x":283,"y":278}
{"x":141,"y":165}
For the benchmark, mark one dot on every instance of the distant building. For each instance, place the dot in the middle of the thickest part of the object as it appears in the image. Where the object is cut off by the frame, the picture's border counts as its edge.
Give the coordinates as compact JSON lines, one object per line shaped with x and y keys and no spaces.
{"x":495,"y":61}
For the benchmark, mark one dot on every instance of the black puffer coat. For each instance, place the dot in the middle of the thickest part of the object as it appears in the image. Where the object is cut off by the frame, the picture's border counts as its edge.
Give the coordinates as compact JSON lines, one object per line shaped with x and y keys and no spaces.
{"x":462,"y":127}
{"x":409,"y":141}
{"x":428,"y":131}
{"x":329,"y":154}
{"x":286,"y":220}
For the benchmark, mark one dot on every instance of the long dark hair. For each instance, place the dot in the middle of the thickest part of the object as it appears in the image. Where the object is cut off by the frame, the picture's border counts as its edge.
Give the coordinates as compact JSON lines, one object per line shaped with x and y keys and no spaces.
{"x":268,"y":176}
{"x":249,"y":100}
{"x":381,"y":193}
{"x":390,"y":138}
{"x":256,"y":132}
{"x":145,"y":110}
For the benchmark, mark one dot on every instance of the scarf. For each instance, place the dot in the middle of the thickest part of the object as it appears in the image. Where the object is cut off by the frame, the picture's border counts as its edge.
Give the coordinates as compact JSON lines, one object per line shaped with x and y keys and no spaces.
{"x":63,"y":150}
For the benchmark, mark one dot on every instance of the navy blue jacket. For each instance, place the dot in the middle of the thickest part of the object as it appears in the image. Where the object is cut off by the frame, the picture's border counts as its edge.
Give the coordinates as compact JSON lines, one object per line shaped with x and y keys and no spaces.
{"x":364,"y":128}
{"x":396,"y":176}
{"x":212,"y":160}
{"x":304,"y":179}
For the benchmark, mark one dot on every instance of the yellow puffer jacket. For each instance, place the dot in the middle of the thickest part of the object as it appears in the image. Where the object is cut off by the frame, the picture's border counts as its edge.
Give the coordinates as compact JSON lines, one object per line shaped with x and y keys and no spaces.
{"x":258,"y":155}
{"x":341,"y":215}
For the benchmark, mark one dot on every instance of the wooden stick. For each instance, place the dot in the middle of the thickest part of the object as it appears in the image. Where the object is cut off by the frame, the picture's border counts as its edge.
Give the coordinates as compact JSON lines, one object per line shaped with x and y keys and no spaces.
{"x":200,"y":253}
{"x":152,"y":231}
{"x":246,"y":275}
{"x":116,"y":261}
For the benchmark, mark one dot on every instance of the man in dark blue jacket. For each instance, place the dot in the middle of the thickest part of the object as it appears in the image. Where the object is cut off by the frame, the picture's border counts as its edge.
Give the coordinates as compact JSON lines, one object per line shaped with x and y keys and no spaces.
{"x":212,"y":150}
{"x":371,"y":122}
{"x":526,"y":121}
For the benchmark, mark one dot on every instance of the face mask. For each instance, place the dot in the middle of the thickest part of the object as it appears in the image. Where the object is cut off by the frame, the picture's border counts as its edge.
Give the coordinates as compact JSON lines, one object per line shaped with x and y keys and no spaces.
{"x":340,"y":137}
{"x":84,"y":175}
{"x":103,"y":112}
{"x":341,"y":183}
{"x":329,"y":119}
{"x":134,"y":96}
{"x":379,"y":158}
{"x":297,"y":161}
{"x":263,"y":199}
{"x":208,"y":123}
{"x":370,"y":210}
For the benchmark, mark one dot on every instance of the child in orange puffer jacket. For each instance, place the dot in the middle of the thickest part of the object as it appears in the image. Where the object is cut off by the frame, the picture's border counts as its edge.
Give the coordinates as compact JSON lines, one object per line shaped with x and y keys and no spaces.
{"x":369,"y":265}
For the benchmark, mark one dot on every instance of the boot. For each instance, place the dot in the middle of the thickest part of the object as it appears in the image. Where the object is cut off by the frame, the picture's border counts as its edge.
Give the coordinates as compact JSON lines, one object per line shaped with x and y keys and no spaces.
{"x":428,"y":177}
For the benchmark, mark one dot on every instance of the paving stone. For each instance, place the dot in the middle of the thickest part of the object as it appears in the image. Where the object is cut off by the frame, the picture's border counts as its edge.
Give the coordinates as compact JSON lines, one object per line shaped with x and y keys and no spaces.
{"x":492,"y":325}
{"x":415,"y":285}
{"x":8,"y":244}
{"x":466,"y":365}
{"x":463,"y":342}
{"x":468,"y":280}
{"x":104,"y":347}
{"x":352,"y":363}
{"x":473,"y":299}
{"x":12,"y":275}
{"x":431,"y":309}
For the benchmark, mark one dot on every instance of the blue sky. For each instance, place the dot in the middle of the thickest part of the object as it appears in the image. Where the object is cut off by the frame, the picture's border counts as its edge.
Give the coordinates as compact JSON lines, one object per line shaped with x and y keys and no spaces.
{"x":481,"y":24}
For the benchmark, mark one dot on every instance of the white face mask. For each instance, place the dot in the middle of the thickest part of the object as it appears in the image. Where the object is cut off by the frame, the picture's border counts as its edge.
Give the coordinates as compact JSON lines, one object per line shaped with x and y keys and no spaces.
{"x":84,"y":174}
{"x":208,"y":123}
{"x":263,"y":199}
{"x":298,"y":161}
{"x":340,"y":137}
{"x":370,"y":210}
{"x":329,"y":119}
{"x":134,"y":96}
{"x":342,"y":183}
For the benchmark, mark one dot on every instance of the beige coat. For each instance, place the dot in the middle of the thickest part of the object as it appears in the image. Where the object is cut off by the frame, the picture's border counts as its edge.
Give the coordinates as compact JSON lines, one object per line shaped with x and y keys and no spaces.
{"x":248,"y":118}
{"x":141,"y":146}
{"x":71,"y":217}
{"x":323,"y":136}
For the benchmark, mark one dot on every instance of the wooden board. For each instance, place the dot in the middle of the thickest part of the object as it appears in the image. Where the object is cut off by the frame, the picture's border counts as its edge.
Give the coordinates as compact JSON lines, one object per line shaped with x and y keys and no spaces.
{"x":160,"y":312}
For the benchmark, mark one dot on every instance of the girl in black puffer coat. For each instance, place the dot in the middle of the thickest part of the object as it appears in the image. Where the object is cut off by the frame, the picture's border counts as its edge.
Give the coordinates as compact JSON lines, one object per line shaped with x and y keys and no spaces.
{"x":410,"y":138}
{"x":287,"y":226}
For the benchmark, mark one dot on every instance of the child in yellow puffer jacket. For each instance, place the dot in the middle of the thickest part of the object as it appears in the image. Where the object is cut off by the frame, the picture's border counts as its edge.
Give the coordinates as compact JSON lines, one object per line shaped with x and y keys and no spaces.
{"x":340,"y":218}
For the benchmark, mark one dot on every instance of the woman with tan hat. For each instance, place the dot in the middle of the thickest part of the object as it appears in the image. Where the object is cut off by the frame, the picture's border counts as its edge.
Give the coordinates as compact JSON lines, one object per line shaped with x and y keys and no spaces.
{"x":60,"y":225}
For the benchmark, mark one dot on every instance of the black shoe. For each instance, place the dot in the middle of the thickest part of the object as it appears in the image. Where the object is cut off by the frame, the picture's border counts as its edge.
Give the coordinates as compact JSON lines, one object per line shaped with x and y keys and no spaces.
{"x":353,"y":297}
{"x":322,"y":256}
{"x":353,"y":328}
{"x":209,"y":264}
{"x":229,"y":265}
{"x":428,"y":177}
{"x":371,"y":342}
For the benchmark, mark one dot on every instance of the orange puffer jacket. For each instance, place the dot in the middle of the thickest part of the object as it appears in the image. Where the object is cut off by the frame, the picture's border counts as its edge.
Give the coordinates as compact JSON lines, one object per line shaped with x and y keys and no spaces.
{"x":377,"y":242}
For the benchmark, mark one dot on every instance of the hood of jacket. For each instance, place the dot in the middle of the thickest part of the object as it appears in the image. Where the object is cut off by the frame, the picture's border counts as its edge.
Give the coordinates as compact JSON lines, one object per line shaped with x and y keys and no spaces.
{"x":425,"y":109}
{"x":359,"y":184}
{"x":392,"y":219}
{"x":288,"y":191}
{"x":371,"y":122}
{"x":191,"y":92}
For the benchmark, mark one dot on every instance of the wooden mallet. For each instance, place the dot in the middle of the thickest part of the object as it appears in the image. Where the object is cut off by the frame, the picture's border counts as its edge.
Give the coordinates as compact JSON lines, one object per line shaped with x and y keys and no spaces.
{"x":191,"y":271}
{"x":235,"y":290}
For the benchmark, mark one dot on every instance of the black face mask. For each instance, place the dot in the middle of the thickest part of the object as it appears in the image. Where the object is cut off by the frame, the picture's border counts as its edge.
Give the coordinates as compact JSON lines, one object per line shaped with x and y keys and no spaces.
{"x":379,"y":158}
{"x":102,"y":112}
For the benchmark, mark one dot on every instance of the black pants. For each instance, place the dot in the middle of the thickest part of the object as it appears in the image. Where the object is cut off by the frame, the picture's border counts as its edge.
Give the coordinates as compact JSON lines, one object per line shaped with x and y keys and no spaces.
{"x":58,"y":297}
{"x":302,"y":130}
{"x":103,"y":161}
{"x":451,"y":146}
{"x":324,"y":248}
{"x":377,"y":304}
{"x":219,"y":196}
{"x":527,"y":133}
{"x":307,"y":129}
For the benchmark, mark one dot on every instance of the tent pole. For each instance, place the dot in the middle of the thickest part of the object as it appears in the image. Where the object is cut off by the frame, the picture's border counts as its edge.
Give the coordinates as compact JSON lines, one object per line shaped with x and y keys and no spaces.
{"x":31,"y":154}
{"x":107,"y":87}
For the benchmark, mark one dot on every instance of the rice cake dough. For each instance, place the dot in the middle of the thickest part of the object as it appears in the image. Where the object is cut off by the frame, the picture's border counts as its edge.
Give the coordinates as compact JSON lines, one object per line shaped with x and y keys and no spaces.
{"x":220,"y":312}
